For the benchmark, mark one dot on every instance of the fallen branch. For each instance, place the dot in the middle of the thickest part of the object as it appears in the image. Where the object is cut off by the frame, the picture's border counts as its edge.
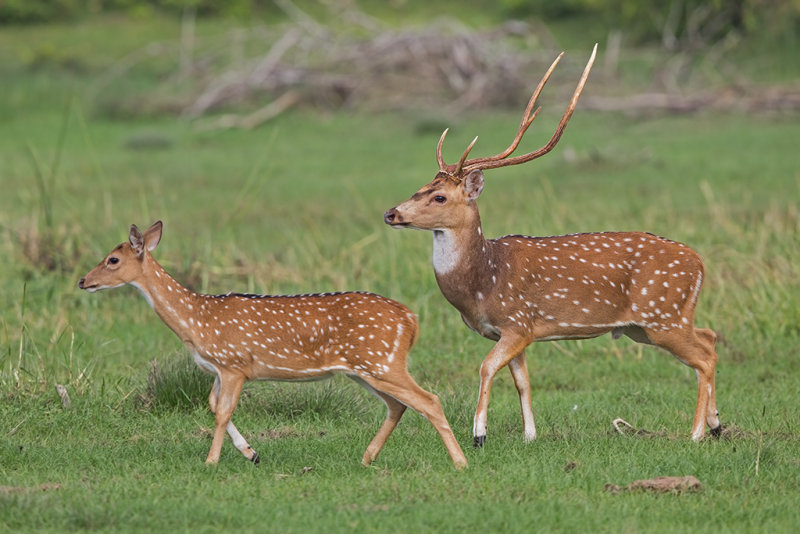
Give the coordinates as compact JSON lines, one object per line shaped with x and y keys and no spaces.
{"x":624,"y":428}
{"x":675,"y":485}
{"x":728,"y":99}
{"x":256,"y":118}
{"x":64,"y":395}
{"x":47,"y":486}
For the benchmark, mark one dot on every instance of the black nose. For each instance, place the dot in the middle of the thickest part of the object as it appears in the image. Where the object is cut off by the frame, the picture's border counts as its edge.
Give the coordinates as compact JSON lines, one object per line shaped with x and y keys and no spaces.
{"x":389,"y":216}
{"x":80,"y":282}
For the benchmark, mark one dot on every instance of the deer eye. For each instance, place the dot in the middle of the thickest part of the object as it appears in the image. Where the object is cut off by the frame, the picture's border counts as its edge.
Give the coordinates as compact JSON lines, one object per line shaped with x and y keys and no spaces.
{"x":439,"y":199}
{"x":113,"y":260}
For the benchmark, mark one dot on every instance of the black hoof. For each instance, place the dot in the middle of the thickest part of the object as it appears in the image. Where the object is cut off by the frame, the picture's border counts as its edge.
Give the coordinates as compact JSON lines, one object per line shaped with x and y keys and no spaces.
{"x":255,"y":459}
{"x":716,"y":432}
{"x":478,"y":441}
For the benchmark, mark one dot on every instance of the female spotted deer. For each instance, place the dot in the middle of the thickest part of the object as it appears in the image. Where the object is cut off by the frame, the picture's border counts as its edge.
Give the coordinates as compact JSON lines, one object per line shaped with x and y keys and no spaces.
{"x":240,"y":337}
{"x":517,"y":289}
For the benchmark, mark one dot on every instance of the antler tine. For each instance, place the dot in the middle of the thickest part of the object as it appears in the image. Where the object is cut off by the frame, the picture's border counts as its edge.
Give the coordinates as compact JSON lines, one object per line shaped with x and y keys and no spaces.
{"x":464,"y":157}
{"x":498,"y":161}
{"x":527,"y":119}
{"x":439,"y":158}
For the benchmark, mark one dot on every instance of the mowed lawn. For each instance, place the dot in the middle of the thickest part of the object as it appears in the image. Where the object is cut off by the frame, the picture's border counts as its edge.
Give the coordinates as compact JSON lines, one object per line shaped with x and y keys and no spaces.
{"x":295,"y":207}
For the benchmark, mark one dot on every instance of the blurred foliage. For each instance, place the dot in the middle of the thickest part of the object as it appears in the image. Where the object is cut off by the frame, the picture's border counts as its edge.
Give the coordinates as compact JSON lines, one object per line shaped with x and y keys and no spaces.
{"x":16,"y":11}
{"x":32,"y":11}
{"x":675,"y":23}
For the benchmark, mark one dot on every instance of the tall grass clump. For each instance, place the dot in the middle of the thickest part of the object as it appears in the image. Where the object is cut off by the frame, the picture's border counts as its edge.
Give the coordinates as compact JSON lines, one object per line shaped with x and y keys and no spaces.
{"x":175,"y":383}
{"x":330,"y":400}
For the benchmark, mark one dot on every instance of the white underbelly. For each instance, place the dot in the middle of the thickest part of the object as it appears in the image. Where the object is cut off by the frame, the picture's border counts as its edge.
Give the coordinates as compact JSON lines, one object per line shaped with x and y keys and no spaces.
{"x":204,"y":364}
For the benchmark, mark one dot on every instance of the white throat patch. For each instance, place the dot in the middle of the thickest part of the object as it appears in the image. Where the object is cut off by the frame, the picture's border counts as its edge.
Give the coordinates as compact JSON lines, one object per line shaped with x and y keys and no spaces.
{"x":144,"y":293}
{"x":445,"y":251}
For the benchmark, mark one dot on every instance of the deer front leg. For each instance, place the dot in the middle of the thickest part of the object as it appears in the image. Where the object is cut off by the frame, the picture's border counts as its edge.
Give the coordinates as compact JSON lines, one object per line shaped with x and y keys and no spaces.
{"x":214,"y":395}
{"x":238,"y":440}
{"x":519,"y":372}
{"x":240,"y":443}
{"x":228,"y":391}
{"x":508,"y":348}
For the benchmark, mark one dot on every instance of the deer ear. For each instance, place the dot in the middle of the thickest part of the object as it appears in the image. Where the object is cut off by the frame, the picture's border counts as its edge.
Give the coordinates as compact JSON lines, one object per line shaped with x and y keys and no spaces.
{"x":152,"y":236}
{"x":136,"y":240}
{"x":473,"y":184}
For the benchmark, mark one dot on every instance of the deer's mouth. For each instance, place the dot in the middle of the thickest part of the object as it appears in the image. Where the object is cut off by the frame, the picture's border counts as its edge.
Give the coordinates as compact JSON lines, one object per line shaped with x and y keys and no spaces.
{"x":91,"y":288}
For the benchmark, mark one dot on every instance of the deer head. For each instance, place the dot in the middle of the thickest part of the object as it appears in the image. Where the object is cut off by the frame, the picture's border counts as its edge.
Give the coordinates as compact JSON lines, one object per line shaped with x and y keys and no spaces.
{"x":441,"y":204}
{"x":124,"y":264}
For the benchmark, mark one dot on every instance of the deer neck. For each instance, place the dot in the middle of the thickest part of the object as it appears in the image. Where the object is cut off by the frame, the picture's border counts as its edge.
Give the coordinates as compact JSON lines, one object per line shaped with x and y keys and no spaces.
{"x":462,"y":260}
{"x":172,"y":302}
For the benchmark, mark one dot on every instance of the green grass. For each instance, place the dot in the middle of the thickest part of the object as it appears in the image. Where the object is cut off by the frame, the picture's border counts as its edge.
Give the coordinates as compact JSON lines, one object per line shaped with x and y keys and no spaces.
{"x":296,"y":206}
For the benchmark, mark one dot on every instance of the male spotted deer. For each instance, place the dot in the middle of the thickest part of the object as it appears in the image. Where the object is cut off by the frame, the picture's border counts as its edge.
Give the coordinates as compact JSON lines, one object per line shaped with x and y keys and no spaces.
{"x":239,"y":337}
{"x":517,"y":289}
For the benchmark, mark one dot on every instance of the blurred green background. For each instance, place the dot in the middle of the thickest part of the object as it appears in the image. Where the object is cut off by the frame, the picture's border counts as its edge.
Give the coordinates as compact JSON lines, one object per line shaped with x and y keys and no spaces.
{"x":270,"y":137}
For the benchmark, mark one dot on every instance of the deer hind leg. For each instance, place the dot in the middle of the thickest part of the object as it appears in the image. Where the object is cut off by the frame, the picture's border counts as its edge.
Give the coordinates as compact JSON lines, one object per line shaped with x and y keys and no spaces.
{"x":695,"y":348}
{"x":403,"y":388}
{"x":519,"y":372}
{"x":395,"y":411}
{"x":709,"y":340}
{"x":508,"y":348}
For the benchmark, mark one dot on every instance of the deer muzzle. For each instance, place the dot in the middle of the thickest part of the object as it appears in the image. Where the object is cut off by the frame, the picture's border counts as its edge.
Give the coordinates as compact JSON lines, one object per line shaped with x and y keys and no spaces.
{"x":393,"y":218}
{"x":90,"y":288}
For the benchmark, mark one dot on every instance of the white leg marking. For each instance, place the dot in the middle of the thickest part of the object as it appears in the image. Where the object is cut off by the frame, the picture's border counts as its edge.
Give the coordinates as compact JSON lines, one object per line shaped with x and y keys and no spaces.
{"x":479,"y":423}
{"x":238,"y":440}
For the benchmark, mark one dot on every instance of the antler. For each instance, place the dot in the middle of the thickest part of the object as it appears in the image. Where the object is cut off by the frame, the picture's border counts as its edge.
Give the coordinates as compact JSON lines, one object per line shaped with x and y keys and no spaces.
{"x":444,"y":166}
{"x":502,"y":160}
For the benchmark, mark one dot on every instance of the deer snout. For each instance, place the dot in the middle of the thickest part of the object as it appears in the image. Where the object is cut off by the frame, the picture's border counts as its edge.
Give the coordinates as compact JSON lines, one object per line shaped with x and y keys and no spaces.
{"x":90,"y":288}
{"x":392,"y":217}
